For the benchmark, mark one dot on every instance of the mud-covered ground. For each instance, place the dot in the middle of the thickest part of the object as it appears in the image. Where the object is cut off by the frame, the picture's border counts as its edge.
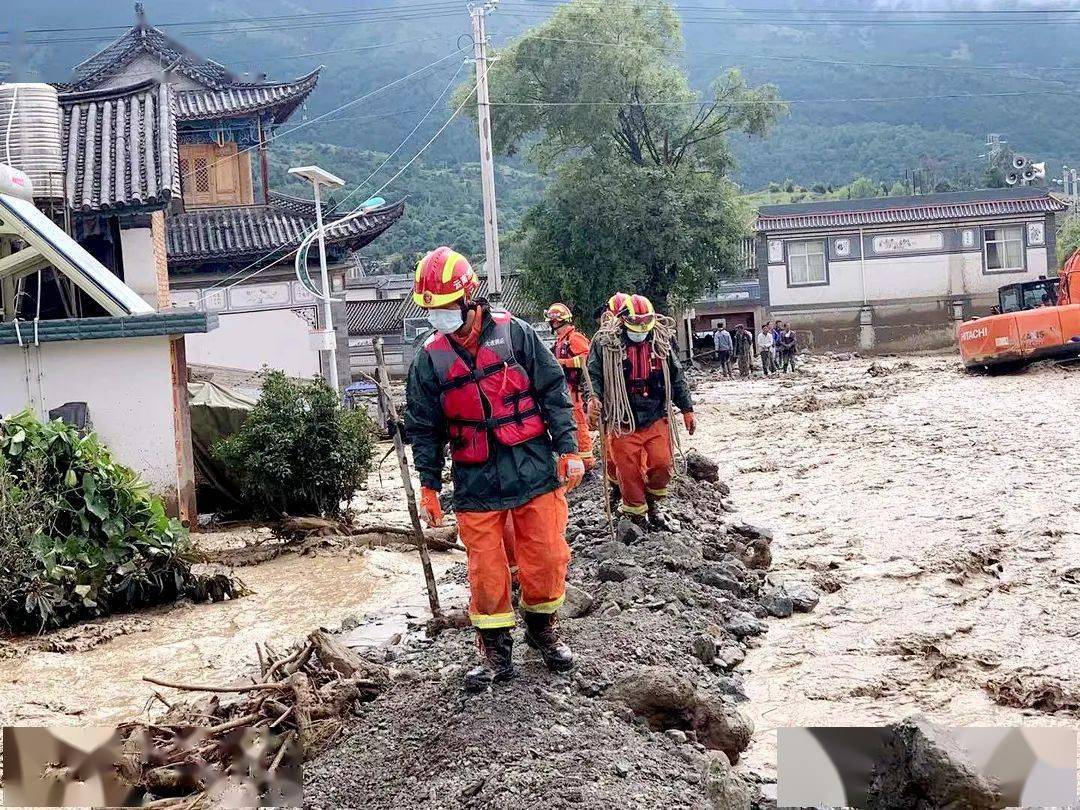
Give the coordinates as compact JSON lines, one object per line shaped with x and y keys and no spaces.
{"x":943,"y":512}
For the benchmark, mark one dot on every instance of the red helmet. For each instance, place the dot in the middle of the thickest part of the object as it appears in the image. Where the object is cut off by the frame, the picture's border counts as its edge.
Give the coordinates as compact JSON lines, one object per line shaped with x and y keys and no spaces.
{"x":617,"y":302}
{"x":442,"y":277}
{"x":558,"y":314}
{"x":637,"y":314}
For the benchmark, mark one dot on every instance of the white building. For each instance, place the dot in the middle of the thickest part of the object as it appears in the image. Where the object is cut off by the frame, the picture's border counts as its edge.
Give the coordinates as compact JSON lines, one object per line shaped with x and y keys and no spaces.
{"x":897,"y":272}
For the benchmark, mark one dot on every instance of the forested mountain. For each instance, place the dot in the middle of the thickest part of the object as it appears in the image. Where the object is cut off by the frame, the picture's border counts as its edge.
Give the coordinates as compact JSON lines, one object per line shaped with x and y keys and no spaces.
{"x":875,"y":90}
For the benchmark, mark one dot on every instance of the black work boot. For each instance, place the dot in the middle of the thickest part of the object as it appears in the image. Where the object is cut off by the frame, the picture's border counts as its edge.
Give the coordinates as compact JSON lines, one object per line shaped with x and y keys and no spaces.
{"x":542,"y":634}
{"x":657,"y":520}
{"x":497,"y":665}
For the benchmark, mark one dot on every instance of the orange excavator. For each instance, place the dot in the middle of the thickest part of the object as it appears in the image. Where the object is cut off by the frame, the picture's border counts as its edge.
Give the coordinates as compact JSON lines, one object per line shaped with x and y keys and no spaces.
{"x":1035,"y":320}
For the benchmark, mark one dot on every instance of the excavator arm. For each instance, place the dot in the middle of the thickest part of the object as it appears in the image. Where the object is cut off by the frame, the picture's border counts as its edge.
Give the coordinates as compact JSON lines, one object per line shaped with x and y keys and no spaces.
{"x":1069,"y":281}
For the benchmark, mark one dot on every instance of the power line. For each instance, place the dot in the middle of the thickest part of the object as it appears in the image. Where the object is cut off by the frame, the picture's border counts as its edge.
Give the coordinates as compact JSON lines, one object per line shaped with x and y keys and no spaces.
{"x":838,"y":62}
{"x":778,"y":102}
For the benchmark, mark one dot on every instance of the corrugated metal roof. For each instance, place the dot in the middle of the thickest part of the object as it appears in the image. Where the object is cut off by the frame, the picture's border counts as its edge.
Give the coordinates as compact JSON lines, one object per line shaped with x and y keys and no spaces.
{"x":120,"y":147}
{"x":176,"y":322}
{"x":889,"y":210}
{"x":283,"y":98}
{"x":215,"y":234}
{"x":386,"y":316}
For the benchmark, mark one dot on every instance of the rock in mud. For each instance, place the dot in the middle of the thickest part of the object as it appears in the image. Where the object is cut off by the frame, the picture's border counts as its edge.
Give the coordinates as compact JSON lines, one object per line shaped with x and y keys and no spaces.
{"x":742,"y":625}
{"x":611,"y":571}
{"x":578,"y":603}
{"x":717,"y":578}
{"x":629,"y":532}
{"x":803,"y":598}
{"x":729,"y":656}
{"x":922,"y":766}
{"x":777,"y":603}
{"x":722,"y":727}
{"x":704,"y":647}
{"x":702,"y":468}
{"x":725,"y":789}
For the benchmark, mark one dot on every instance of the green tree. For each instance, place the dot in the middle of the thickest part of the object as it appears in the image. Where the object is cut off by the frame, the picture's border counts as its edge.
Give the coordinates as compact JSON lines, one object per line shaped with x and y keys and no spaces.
{"x":1068,"y":239}
{"x":862,"y":187}
{"x":639,"y":197}
{"x":299,"y":452}
{"x":899,"y":189}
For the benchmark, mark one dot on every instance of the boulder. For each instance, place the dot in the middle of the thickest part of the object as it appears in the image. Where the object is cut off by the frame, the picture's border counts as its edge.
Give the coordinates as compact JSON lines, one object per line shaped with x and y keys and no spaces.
{"x":742,"y":625}
{"x":717,"y":577}
{"x":803,"y":598}
{"x":702,"y":468}
{"x":578,"y":602}
{"x":725,"y":789}
{"x":611,"y":571}
{"x":922,"y":765}
{"x":629,"y":532}
{"x":777,"y":603}
{"x":722,"y":727}
{"x":704,"y":647}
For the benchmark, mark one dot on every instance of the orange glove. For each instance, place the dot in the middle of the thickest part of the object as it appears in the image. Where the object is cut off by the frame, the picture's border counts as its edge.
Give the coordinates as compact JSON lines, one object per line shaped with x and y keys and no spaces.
{"x":430,"y":508}
{"x":571,"y":470}
{"x":690,"y":422}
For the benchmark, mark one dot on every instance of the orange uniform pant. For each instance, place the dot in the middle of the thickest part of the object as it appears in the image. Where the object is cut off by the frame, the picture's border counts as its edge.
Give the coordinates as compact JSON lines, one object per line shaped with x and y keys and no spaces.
{"x":643,"y":464}
{"x":539,"y":544}
{"x":584,"y":437}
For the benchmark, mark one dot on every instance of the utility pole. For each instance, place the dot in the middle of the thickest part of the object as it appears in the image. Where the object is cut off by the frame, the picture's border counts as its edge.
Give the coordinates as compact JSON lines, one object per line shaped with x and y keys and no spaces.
{"x":487,"y":165}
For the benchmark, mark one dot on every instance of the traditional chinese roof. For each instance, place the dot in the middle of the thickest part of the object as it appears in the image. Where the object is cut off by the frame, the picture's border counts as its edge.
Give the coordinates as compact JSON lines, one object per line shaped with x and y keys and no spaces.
{"x":222,"y":94}
{"x":282,"y":98}
{"x":922,"y":208}
{"x":387,"y":315}
{"x":120,"y":148}
{"x":203,"y":235}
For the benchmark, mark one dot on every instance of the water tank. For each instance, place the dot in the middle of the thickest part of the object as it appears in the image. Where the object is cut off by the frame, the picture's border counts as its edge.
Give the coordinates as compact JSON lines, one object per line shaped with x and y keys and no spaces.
{"x":30,"y":136}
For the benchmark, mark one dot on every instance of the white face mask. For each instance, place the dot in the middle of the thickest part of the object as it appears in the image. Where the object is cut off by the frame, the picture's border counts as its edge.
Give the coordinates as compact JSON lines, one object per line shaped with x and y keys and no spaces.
{"x":637,"y":337}
{"x":446,"y":321}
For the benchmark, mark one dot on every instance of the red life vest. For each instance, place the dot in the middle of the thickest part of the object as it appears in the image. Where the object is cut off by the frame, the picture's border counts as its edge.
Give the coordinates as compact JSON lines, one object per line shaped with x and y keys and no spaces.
{"x":486,"y":397}
{"x":562,"y":352}
{"x":644,"y":371}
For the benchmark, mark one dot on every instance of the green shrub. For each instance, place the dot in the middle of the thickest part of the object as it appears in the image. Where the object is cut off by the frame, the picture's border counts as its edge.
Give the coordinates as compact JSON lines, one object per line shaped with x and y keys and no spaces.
{"x":299,"y":452}
{"x":79,"y":534}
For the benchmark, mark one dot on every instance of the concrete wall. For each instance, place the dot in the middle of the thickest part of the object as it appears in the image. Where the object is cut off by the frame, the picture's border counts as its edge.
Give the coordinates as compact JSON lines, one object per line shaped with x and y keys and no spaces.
{"x":127,"y":385}
{"x":277,"y":338}
{"x":140,"y":267}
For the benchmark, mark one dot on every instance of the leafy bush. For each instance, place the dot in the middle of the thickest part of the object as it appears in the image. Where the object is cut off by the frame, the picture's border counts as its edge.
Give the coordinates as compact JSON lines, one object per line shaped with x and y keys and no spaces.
{"x":79,"y":534}
{"x":299,"y":452}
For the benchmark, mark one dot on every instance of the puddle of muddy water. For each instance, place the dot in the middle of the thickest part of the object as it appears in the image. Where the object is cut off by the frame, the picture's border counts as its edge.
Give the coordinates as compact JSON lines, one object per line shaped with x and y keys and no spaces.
{"x":213,"y":643}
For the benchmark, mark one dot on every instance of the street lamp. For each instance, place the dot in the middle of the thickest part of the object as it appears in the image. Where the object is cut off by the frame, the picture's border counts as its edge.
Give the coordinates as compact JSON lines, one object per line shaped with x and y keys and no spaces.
{"x":327,"y":339}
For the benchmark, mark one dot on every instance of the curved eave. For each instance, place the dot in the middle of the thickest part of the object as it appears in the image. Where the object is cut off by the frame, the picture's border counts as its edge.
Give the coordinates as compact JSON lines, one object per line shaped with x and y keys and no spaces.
{"x":279,"y":99}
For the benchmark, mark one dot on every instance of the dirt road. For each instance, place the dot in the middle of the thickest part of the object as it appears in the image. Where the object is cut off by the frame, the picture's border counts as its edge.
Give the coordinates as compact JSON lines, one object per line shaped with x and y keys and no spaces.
{"x":943,"y":511}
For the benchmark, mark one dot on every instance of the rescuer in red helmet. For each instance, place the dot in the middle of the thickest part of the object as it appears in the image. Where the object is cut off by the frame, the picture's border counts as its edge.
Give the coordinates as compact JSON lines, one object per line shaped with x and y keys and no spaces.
{"x":571,"y":350}
{"x":485,"y":385}
{"x":636,"y":377}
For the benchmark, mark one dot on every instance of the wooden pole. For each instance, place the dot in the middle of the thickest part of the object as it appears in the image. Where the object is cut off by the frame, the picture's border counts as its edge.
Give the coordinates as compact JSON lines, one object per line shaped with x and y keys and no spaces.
{"x":406,"y":477}
{"x":603,"y":450}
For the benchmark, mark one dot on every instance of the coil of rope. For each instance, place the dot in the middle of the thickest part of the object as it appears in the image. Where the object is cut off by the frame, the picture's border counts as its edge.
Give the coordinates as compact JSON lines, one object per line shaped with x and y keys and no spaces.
{"x":617,"y":412}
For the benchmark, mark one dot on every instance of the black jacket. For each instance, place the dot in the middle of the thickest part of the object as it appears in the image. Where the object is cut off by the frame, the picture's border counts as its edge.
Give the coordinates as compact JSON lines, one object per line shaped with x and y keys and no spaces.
{"x":514,"y":475}
{"x":646,"y":409}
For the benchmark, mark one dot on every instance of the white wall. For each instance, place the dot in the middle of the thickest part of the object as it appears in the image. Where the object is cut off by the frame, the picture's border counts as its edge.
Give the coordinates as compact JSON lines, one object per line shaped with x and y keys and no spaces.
{"x":127,"y":384}
{"x":140,"y":272}
{"x":276,"y":338}
{"x":928,"y":276}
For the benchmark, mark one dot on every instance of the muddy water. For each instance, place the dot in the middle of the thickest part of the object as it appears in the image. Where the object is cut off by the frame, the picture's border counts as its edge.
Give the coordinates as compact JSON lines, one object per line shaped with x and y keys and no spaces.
{"x":206,"y":643}
{"x":946,"y":509}
{"x":291,"y":596}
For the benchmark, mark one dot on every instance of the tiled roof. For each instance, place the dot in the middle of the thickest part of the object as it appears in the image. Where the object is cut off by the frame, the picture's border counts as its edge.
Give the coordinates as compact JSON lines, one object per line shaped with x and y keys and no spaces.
{"x":378,"y":317}
{"x":889,"y":210}
{"x":225,"y":93}
{"x":281,"y":97}
{"x":120,"y":147}
{"x":386,"y":316}
{"x":221,"y":234}
{"x":144,"y":38}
